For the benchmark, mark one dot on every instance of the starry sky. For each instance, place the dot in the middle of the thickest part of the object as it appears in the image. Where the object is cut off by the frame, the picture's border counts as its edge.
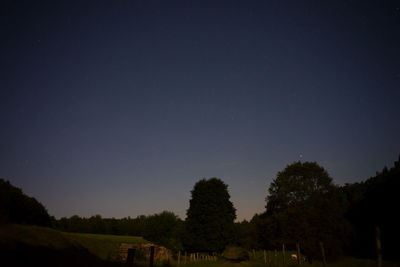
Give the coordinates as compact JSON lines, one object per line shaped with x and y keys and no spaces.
{"x":118,"y":107}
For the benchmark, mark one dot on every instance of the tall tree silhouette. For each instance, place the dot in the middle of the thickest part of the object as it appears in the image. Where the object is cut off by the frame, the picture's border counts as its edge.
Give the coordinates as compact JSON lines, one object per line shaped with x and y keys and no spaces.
{"x":210,"y":217}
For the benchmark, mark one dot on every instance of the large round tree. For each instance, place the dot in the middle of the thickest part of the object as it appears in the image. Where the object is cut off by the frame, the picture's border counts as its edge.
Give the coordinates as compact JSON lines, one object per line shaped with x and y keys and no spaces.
{"x":296,"y":183}
{"x":304,"y":206}
{"x":210,"y":217}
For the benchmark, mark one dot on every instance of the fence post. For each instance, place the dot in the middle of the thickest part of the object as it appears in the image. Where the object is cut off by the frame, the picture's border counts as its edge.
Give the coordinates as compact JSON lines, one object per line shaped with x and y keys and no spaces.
{"x":323,"y":254}
{"x":265,"y":258}
{"x":130,"y":259}
{"x":151,"y":256}
{"x":283,"y":255}
{"x":298,"y":254}
{"x":185,"y":258}
{"x":269,"y":258}
{"x":378,"y":247}
{"x":179,"y":258}
{"x":167,"y":259}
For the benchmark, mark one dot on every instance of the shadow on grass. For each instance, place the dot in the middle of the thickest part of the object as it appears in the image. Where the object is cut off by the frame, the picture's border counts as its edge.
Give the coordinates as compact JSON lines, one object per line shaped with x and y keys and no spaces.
{"x":24,"y":255}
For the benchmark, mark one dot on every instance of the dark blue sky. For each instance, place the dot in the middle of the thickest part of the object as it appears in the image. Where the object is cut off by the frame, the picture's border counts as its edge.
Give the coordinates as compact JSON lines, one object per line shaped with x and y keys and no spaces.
{"x":118,"y":107}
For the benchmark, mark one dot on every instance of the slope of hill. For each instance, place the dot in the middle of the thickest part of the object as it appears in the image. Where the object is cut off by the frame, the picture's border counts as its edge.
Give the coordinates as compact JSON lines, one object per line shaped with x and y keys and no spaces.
{"x":22,"y":244}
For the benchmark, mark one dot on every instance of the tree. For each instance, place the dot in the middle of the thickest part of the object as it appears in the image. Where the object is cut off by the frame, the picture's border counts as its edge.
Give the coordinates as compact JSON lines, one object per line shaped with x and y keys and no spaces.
{"x":164,"y":229}
{"x":372,"y":204}
{"x":246,"y":235}
{"x":305,"y":206}
{"x":296,"y":183}
{"x":210,"y":217}
{"x":16,"y":207}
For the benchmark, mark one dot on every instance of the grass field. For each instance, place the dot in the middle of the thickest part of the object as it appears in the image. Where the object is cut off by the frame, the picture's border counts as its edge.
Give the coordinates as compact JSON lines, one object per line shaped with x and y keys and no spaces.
{"x":12,"y":235}
{"x":348,"y":262}
{"x":258,"y":261}
{"x":105,"y":247}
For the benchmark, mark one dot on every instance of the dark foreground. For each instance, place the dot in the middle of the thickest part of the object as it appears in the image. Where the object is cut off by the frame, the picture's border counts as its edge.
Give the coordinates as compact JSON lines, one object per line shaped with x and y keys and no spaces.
{"x":23,"y":255}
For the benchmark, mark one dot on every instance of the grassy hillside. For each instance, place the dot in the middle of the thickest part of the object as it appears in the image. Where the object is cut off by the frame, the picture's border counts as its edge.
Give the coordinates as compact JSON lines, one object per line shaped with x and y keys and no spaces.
{"x":105,"y":247}
{"x":45,"y":245}
{"x":12,"y":235}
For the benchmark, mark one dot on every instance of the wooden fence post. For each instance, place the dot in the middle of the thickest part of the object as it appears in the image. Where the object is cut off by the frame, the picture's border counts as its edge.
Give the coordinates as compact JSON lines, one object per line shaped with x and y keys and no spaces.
{"x":179,"y":257}
{"x":323,"y":254}
{"x":283,"y":255}
{"x":130,"y":259}
{"x":378,"y":247}
{"x":270,"y":259}
{"x":167,"y":259}
{"x":298,"y":254}
{"x":151,"y":256}
{"x":265,"y":257}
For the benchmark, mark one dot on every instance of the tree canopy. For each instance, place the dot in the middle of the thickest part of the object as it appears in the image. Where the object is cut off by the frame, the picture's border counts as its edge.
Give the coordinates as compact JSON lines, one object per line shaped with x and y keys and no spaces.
{"x":372,"y":204}
{"x":210,"y":217}
{"x":296,"y":183}
{"x":305,"y":206}
{"x":164,"y":229}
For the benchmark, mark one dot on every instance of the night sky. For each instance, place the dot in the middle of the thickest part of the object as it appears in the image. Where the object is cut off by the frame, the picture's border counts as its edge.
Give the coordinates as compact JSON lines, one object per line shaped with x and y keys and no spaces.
{"x":117,"y":108}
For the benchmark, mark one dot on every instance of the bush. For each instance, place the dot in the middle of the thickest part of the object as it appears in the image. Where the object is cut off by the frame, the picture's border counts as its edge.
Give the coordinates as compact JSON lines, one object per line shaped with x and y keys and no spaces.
{"x":233,"y":253}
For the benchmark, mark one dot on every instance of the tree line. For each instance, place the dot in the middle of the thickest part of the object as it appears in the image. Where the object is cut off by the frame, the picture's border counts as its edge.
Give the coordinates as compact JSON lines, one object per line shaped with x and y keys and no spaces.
{"x":303,"y":206}
{"x":164,"y":228}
